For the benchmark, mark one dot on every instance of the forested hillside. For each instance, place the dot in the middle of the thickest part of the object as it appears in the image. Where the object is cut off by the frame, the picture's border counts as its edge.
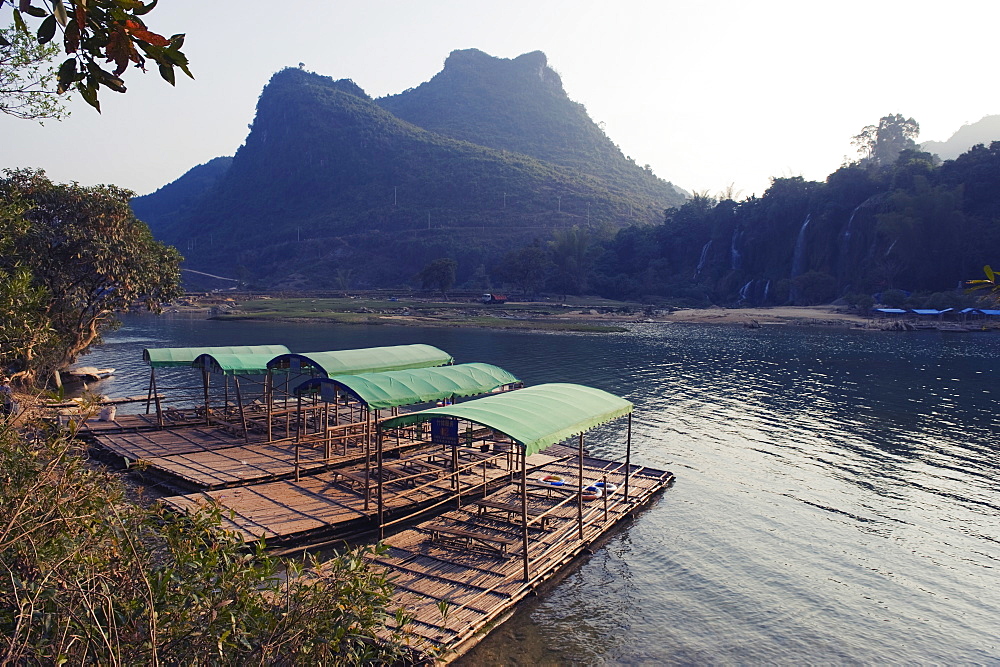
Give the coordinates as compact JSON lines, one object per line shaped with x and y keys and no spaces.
{"x":330,"y":188}
{"x":869,"y":228}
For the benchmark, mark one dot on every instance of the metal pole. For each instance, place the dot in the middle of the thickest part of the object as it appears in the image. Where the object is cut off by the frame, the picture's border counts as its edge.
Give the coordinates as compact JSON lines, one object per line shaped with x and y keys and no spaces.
{"x":524,"y":510}
{"x":381,"y":503}
{"x":285,"y":403}
{"x":149,"y":392}
{"x":205,"y":380}
{"x":243,"y":416}
{"x":368,"y":459}
{"x":156,"y":398}
{"x":269,"y":397}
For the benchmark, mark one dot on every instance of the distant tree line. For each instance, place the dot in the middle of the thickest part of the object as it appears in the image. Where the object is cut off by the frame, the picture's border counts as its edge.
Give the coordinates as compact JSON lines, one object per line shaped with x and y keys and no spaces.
{"x":895,"y":221}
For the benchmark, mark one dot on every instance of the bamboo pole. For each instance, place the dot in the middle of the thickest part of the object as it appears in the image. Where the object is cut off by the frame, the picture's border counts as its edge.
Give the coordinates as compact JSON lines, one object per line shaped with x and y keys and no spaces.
{"x":628,"y":454}
{"x":579,"y":484}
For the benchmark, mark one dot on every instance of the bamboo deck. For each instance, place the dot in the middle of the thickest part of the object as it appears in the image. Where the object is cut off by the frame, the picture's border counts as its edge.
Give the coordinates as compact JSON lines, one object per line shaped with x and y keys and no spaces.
{"x":475,"y":587}
{"x":333,"y":502}
{"x":148,"y":444}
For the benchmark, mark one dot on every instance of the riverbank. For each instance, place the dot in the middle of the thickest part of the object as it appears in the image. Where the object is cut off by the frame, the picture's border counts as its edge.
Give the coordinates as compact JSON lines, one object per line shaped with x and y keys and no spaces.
{"x":593,"y":316}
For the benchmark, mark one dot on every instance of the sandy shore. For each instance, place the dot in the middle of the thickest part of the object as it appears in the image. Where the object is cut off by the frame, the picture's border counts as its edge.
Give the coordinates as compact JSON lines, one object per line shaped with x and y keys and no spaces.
{"x":544,"y":316}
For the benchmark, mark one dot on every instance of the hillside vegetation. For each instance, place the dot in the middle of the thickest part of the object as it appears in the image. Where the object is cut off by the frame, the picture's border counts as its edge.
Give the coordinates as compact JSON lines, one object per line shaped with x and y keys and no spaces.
{"x":328,"y":181}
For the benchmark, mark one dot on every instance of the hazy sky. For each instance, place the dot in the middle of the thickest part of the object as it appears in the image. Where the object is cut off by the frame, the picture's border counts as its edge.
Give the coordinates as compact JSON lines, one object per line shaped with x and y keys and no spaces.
{"x":708,"y":93}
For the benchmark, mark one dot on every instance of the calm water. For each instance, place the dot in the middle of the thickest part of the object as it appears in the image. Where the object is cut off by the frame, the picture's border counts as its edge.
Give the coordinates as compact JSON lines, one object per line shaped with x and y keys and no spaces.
{"x":837,"y":495}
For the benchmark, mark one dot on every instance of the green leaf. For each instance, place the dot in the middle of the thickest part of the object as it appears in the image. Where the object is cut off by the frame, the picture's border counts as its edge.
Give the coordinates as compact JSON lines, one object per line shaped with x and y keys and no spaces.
{"x":111,"y":81}
{"x":37,"y":12}
{"x":167,"y":72}
{"x":989,"y":273}
{"x":142,"y":10}
{"x":89,"y":94}
{"x":47,"y":30}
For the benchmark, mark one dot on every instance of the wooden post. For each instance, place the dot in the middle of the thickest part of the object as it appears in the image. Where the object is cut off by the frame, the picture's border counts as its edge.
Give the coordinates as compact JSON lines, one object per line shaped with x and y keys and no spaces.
{"x":579,"y":484}
{"x":524,"y":509}
{"x":628,"y":455}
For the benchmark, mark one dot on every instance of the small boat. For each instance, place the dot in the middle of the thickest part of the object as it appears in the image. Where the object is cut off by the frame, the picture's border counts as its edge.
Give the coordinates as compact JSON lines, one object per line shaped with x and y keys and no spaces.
{"x":90,"y":374}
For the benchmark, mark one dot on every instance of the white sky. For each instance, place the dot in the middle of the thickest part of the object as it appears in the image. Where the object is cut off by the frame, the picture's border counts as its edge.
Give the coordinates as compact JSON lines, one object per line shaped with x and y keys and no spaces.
{"x":708,"y":93}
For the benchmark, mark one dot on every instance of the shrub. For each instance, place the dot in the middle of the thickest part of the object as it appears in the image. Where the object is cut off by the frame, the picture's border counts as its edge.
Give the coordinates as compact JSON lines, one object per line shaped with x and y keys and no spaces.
{"x":88,"y":577}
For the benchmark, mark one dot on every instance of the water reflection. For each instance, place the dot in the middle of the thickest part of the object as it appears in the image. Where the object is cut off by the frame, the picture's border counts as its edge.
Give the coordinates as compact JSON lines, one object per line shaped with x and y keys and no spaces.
{"x":837,"y":494}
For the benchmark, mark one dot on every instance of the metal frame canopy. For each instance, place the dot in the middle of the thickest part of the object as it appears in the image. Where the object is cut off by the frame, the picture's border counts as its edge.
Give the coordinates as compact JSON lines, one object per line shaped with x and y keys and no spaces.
{"x":234,"y":364}
{"x":408,"y":387}
{"x":363,"y":360}
{"x":534,"y":417}
{"x":173,"y":357}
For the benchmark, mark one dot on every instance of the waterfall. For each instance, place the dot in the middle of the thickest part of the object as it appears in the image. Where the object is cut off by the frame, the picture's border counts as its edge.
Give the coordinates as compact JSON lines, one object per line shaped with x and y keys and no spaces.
{"x":701,"y":260}
{"x":800,"y":248}
{"x":767,"y":288}
{"x":846,"y":236}
{"x":745,"y":290}
{"x":844,"y":259}
{"x":734,"y":254}
{"x":893,"y":245}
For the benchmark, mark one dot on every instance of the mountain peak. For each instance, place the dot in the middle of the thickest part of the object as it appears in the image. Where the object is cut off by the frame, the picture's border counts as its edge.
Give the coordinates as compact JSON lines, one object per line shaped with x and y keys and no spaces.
{"x":296,"y":76}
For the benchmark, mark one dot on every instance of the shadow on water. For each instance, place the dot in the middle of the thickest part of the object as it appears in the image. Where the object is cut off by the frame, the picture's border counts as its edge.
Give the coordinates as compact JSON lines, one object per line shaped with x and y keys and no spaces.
{"x":837,"y":493}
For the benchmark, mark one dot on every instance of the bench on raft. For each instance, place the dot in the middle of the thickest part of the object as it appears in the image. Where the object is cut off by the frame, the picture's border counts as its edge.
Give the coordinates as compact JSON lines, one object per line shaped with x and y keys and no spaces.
{"x":509,"y":512}
{"x":469,"y":539}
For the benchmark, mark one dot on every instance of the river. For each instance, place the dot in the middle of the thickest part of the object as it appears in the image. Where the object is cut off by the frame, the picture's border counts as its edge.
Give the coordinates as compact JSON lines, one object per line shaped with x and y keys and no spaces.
{"x":836,"y":497}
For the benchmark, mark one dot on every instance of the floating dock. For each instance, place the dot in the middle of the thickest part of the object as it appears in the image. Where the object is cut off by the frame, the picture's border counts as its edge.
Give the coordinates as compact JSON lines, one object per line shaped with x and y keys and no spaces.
{"x":461,"y":572}
{"x":333,"y":503}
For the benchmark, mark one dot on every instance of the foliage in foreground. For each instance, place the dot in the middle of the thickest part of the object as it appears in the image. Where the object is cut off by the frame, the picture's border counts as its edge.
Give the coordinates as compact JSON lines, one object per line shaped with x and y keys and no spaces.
{"x":87,"y":577}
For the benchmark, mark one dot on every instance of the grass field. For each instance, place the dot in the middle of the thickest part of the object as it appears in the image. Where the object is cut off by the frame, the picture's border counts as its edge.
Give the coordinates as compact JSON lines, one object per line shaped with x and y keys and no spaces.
{"x":526,"y":316}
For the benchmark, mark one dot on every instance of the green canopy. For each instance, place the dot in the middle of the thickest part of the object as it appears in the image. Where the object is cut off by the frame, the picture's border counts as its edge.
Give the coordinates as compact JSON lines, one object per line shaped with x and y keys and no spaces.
{"x":233,"y":364}
{"x":535,"y":417}
{"x":365,"y":360}
{"x":409,"y":387}
{"x":172,"y":357}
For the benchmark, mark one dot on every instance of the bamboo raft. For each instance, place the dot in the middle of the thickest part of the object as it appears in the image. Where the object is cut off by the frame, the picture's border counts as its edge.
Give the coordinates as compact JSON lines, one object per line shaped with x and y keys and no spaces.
{"x":334,"y":502}
{"x":213,"y":457}
{"x":460,"y":572}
